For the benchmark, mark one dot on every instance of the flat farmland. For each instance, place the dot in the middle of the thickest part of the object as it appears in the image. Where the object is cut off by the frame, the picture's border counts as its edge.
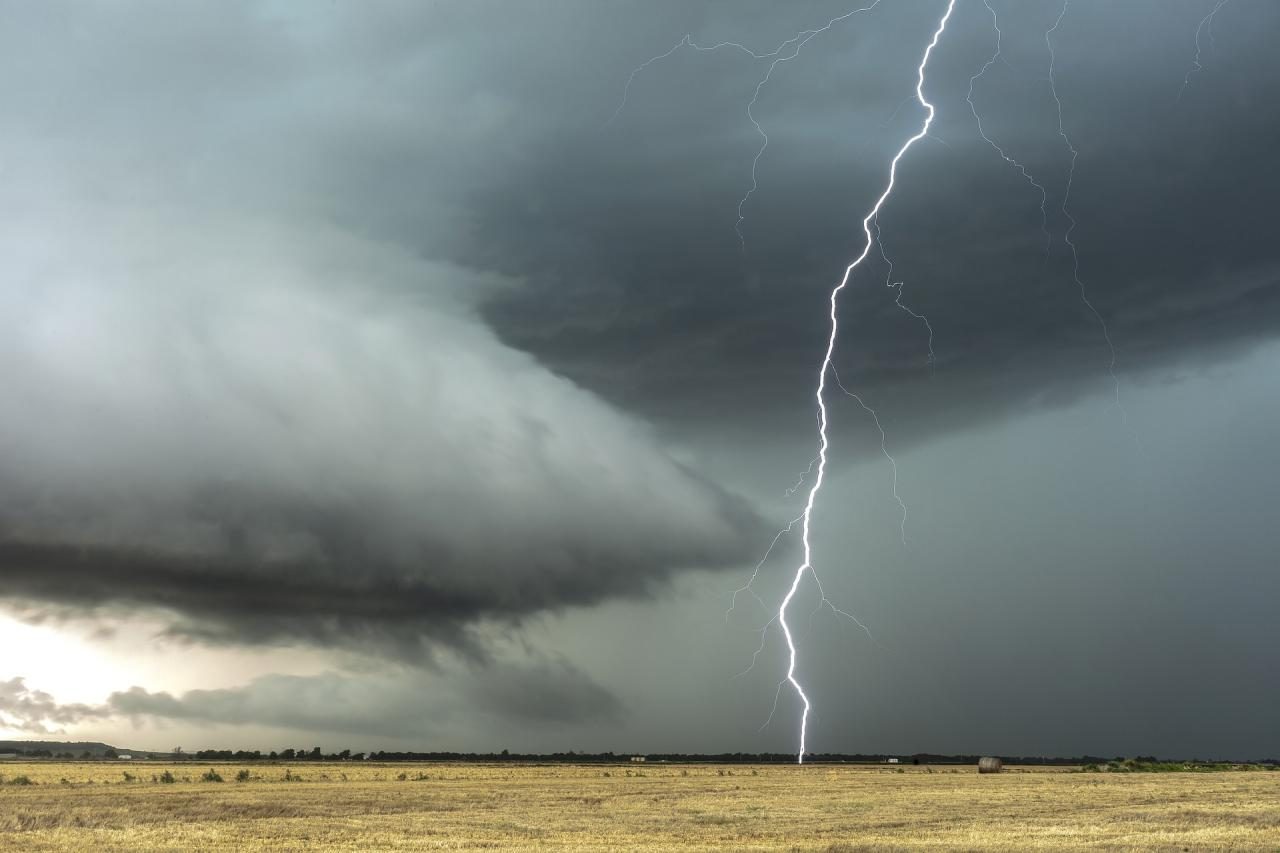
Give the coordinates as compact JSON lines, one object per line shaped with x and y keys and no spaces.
{"x":365,"y":806}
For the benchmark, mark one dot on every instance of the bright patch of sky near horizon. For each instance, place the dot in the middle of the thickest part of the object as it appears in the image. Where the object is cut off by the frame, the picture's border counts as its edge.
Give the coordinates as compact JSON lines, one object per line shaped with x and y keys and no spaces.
{"x":81,"y":663}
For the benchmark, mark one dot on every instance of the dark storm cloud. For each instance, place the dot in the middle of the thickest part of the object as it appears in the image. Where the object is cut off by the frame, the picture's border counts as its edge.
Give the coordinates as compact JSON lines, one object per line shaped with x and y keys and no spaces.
{"x":223,"y":405}
{"x":273,"y":451}
{"x":1172,"y":199}
{"x":480,"y":133}
{"x":307,"y":312}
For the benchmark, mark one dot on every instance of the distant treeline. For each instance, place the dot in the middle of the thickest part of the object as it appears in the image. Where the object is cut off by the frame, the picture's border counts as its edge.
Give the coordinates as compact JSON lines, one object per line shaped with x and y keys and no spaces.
{"x":683,"y":758}
{"x":51,"y":750}
{"x":763,"y":758}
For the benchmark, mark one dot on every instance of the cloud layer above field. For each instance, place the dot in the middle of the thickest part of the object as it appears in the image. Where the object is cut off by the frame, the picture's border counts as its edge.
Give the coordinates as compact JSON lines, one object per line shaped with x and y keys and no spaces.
{"x":281,"y":435}
{"x":371,"y":328}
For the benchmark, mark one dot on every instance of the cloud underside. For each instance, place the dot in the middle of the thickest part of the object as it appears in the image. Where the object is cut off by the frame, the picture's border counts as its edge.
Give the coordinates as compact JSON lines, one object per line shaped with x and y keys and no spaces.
{"x":229,"y":603}
{"x":1170,"y":211}
{"x":213,"y":427}
{"x":540,"y":693}
{"x":289,"y":299}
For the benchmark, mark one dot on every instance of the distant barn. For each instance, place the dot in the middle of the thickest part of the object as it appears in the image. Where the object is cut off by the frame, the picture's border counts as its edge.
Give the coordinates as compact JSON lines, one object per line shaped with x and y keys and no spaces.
{"x":990,"y":764}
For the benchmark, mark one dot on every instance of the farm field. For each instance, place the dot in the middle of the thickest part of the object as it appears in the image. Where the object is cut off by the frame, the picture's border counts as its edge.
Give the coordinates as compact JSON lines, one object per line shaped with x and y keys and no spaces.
{"x":364,"y":806}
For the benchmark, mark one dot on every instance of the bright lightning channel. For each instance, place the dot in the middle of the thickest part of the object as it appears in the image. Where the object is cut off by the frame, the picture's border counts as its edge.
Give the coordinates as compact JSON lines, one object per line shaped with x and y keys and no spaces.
{"x":820,"y":395}
{"x":785,"y":52}
{"x":1196,"y":67}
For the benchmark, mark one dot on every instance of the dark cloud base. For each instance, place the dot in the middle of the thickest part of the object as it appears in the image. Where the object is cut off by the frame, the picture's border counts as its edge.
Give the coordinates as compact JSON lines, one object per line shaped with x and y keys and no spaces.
{"x":1171,"y":198}
{"x":403,"y":612}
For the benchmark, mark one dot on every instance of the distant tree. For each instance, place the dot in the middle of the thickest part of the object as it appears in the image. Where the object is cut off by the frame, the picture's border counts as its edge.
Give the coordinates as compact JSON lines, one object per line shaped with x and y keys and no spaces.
{"x":287,"y":755}
{"x":315,"y":754}
{"x":110,"y":753}
{"x":213,"y":754}
{"x":273,"y":754}
{"x":506,"y":753}
{"x":86,"y":754}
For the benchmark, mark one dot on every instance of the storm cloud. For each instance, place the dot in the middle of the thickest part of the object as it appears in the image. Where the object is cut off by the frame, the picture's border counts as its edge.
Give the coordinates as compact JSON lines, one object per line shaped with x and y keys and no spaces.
{"x":264,"y":433}
{"x":547,"y":694}
{"x":371,"y":327}
{"x":688,"y":325}
{"x":273,"y":426}
{"x":27,"y":709}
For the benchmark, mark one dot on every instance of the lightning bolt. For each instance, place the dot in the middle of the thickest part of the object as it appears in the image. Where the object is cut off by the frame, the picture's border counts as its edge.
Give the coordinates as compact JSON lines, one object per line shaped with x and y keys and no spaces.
{"x":884,"y":450}
{"x":800,"y":40}
{"x":747,"y":587}
{"x":1067,"y":236}
{"x":795,"y":487}
{"x":787,"y":51}
{"x":1071,"y":223}
{"x":826,"y":366}
{"x":784,"y":52}
{"x":897,"y":300}
{"x":1044,"y":196}
{"x":1196,"y":67}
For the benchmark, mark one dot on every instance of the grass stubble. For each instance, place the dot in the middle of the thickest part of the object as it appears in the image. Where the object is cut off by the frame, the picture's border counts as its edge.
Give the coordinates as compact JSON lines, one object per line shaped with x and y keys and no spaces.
{"x":81,"y":806}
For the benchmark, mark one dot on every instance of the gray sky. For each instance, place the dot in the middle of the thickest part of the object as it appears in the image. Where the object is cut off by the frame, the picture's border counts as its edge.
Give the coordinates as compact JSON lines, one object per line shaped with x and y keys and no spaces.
{"x":373,"y":380}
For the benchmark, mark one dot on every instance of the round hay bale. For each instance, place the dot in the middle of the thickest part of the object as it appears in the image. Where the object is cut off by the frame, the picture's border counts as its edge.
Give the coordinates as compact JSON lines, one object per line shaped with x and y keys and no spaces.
{"x":990,"y":764}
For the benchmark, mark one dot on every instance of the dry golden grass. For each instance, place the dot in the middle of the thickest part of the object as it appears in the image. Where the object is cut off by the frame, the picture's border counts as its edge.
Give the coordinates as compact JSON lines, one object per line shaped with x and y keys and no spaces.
{"x":364,"y":806}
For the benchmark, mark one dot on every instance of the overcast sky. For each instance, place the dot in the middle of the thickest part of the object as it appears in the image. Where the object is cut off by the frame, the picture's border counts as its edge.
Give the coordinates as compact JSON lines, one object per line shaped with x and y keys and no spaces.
{"x":415,"y":375}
